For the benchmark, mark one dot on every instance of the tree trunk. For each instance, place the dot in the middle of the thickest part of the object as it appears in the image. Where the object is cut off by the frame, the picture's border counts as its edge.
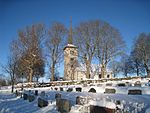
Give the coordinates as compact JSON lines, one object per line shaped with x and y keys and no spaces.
{"x":88,"y":69}
{"x":137,"y":71}
{"x":53,"y":72}
{"x":12,"y":83}
{"x":30,"y":75}
{"x":103,"y":70}
{"x":12,"y":87}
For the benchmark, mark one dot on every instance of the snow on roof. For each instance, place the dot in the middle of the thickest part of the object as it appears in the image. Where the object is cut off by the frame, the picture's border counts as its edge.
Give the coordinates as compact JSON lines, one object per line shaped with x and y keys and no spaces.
{"x":70,"y":46}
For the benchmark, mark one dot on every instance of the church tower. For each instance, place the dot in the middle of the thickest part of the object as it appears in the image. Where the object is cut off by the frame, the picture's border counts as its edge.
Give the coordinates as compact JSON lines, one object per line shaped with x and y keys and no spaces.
{"x":70,"y":57}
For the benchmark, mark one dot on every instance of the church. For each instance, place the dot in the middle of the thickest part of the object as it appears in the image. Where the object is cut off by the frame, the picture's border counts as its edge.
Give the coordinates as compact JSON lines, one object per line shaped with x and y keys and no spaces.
{"x":74,"y":70}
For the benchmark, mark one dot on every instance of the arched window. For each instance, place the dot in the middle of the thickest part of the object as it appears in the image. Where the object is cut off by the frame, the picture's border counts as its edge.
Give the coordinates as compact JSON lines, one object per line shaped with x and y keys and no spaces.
{"x":100,"y":76}
{"x":108,"y":76}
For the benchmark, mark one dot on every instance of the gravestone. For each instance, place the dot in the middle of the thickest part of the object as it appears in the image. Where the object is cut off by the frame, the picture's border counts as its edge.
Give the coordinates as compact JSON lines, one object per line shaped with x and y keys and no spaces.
{"x":43,"y":94}
{"x":61,"y":89}
{"x":16,"y":93}
{"x":31,"y":98}
{"x":78,"y":89}
{"x":36,"y":92}
{"x":92,"y":90}
{"x":69,"y":90}
{"x":110,"y":91}
{"x":121,"y":84}
{"x":137,"y":84}
{"x":98,"y":109}
{"x":81,"y":100}
{"x":42,"y":102}
{"x":25,"y":96}
{"x":135,"y":92}
{"x":118,"y":102}
{"x":63,"y":105}
{"x":109,"y":84}
{"x":56,"y":88}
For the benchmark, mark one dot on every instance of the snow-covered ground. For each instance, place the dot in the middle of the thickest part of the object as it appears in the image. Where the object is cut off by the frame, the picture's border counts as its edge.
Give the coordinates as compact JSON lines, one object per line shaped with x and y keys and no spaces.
{"x":9,"y":103}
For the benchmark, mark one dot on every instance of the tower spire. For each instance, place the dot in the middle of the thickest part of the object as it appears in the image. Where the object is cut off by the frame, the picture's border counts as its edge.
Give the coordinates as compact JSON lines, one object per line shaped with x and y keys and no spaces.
{"x":70,"y":40}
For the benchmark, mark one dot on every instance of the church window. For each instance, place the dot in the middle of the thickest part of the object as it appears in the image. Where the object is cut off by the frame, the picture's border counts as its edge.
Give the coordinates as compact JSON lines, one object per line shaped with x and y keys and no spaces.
{"x":100,"y":76}
{"x":108,"y":76}
{"x":71,"y":59}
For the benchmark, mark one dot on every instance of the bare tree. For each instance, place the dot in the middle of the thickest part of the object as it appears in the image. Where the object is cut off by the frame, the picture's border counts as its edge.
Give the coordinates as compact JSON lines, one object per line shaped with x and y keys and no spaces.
{"x":142,"y":50}
{"x":109,"y":45}
{"x":39,"y":70}
{"x":2,"y":80}
{"x":126,"y":65}
{"x":11,"y":66}
{"x":30,"y":48}
{"x":55,"y":45}
{"x":85,"y":38}
{"x":115,"y":67}
{"x":15,"y":53}
{"x":136,"y":63}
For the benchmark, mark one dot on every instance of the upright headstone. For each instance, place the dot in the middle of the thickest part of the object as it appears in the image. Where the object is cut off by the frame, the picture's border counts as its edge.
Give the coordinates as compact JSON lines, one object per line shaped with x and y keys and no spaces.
{"x":63,"y":105}
{"x":107,"y":90}
{"x":56,"y":88}
{"x":78,"y":89}
{"x":25,"y":96}
{"x":98,"y":109}
{"x":69,"y":90}
{"x":43,"y":94}
{"x":17,"y":93}
{"x":81,"y":100}
{"x":42,"y":102}
{"x":36,"y":92}
{"x":31,"y":98}
{"x":61,"y":89}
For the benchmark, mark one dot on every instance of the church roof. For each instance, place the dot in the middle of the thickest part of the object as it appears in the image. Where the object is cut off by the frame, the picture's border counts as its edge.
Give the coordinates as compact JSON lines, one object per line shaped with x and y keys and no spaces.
{"x":70,"y":46}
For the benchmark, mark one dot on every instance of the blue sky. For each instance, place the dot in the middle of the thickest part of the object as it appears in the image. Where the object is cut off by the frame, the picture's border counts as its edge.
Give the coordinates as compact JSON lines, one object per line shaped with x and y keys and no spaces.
{"x":130,"y":17}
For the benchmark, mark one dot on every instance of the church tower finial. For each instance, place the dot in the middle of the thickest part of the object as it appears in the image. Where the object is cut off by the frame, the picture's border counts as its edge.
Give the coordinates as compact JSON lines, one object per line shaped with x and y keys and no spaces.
{"x":70,"y":39}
